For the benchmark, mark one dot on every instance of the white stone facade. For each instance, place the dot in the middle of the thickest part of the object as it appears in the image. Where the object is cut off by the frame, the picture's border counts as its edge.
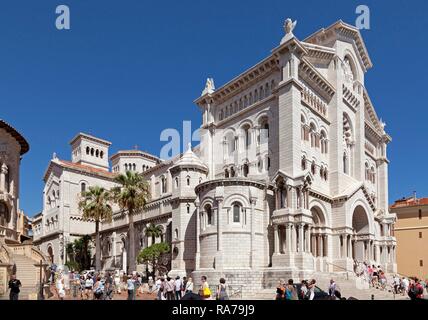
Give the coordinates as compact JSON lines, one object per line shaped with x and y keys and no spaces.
{"x":290,"y":177}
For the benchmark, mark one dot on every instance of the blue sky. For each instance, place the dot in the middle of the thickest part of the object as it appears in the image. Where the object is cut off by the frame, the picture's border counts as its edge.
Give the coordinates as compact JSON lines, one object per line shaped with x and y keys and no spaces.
{"x":128,"y":69}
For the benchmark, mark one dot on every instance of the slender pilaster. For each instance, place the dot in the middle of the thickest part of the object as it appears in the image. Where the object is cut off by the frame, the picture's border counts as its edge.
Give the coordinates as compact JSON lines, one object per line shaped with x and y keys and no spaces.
{"x":198,"y":227}
{"x":276,"y":239}
{"x":301,"y":239}
{"x":253,"y":233}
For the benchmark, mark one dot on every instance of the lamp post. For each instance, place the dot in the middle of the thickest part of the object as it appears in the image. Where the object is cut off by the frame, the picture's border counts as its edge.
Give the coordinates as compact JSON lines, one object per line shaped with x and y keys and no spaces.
{"x":41,"y":265}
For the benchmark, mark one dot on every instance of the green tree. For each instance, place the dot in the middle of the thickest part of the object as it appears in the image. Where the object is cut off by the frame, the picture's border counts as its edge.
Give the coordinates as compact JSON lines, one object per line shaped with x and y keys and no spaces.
{"x":95,"y":206}
{"x":153,"y":231}
{"x":79,"y":254}
{"x":157,"y":256}
{"x":131,"y":195}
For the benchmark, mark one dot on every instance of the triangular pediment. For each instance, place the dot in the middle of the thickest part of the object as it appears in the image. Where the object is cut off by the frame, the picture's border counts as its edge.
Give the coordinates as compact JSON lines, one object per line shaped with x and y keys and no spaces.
{"x":344,"y":32}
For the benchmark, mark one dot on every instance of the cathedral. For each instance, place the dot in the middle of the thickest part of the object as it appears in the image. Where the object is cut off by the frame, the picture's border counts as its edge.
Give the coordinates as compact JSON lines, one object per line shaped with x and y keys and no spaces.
{"x":290,"y":177}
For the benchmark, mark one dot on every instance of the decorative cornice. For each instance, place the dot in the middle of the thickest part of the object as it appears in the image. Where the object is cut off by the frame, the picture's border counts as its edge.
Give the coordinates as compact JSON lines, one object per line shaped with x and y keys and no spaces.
{"x":308,"y":73}
{"x":241,"y":82}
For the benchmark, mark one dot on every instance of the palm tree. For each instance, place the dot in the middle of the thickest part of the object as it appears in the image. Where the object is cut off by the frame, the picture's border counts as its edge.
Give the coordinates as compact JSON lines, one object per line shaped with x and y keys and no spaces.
{"x":153,"y":231}
{"x":95,"y":206}
{"x":131,"y":195}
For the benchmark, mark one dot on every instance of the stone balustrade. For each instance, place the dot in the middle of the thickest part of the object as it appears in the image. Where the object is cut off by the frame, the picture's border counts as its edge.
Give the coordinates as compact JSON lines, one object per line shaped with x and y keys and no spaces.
{"x":314,"y":102}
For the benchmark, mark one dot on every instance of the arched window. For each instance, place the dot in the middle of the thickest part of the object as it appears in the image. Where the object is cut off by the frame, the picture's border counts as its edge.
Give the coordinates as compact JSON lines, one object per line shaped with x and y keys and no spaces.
{"x":232,"y":172}
{"x":256,"y":96}
{"x":313,"y":167}
{"x":323,"y":142}
{"x":226,"y":173}
{"x":303,"y":163}
{"x":176,"y":182}
{"x":264,"y":130}
{"x":345,"y":164}
{"x":133,"y":166}
{"x":267,"y":90}
{"x":208,"y":211}
{"x":97,"y":153}
{"x":101,"y":154}
{"x":126,"y":167}
{"x":236,"y":213}
{"x":247,"y":136}
{"x":163,"y":185}
{"x":83,"y":187}
{"x":325,"y":174}
{"x":87,"y":150}
{"x":262,"y":95}
{"x":92,"y":151}
{"x":188,"y":208}
{"x":373,"y":174}
{"x":231,"y":143}
{"x":221,"y":115}
{"x":188,"y":180}
{"x":312,"y":132}
{"x":322,"y":172}
{"x":245,"y":170}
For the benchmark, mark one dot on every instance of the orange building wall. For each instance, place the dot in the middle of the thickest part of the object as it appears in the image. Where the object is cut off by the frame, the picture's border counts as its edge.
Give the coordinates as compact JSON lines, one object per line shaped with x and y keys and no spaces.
{"x":410,"y":248}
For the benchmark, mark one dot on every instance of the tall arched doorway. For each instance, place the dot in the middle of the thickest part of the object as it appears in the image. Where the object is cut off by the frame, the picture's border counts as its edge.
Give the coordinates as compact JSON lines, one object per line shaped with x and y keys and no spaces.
{"x":361,"y":237}
{"x":319,"y":238}
{"x":50,"y":254}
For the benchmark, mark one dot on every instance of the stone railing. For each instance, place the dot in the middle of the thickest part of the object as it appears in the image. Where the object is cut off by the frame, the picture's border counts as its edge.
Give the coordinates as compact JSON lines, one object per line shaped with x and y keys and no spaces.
{"x":350,"y":98}
{"x":8,"y":233}
{"x":28,"y":250}
{"x":315,"y":103}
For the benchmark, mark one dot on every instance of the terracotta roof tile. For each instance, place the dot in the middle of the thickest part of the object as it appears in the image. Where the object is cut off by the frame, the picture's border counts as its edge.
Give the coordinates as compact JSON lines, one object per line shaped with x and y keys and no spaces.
{"x":409,"y":202}
{"x":88,"y":169}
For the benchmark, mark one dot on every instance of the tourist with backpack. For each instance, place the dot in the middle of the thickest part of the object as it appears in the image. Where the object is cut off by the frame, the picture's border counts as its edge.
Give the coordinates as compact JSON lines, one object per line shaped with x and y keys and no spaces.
{"x":416,"y":290}
{"x":290,"y":291}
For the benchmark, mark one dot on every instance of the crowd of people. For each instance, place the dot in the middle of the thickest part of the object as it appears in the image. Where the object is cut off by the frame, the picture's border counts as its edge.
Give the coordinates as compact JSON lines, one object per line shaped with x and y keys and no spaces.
{"x":407,"y":286}
{"x":305,"y":290}
{"x":93,"y":285}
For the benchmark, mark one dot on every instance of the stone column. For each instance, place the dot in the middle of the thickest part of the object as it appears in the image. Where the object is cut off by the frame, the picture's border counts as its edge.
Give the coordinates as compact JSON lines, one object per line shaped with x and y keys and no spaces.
{"x":349,"y":245}
{"x":198,"y":227}
{"x":253,"y":233}
{"x":321,"y":244}
{"x":308,"y":239}
{"x":289,"y":237}
{"x":301,"y":237}
{"x":219,"y":256}
{"x":276,"y":239}
{"x":326,"y":245}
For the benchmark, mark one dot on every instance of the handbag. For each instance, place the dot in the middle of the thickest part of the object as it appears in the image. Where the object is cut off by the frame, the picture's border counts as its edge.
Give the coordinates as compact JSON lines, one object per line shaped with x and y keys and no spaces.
{"x":207,"y":292}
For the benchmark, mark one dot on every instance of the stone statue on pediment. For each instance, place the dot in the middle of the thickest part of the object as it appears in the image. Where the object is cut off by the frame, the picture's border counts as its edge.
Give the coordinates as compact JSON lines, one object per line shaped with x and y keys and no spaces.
{"x":209,"y":86}
{"x":288,"y":26}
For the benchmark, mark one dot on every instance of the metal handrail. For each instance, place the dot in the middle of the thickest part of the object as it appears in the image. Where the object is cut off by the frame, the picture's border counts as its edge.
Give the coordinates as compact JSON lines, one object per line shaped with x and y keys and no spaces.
{"x":340,"y":267}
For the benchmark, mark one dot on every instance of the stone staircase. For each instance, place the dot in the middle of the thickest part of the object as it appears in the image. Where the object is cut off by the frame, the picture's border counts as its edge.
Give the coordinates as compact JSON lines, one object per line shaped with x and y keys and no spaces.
{"x":28,"y":274}
{"x":23,"y":256}
{"x":350,"y":286}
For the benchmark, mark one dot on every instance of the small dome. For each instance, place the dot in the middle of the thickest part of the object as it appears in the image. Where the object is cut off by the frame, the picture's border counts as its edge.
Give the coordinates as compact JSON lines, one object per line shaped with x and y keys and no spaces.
{"x":190,"y":159}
